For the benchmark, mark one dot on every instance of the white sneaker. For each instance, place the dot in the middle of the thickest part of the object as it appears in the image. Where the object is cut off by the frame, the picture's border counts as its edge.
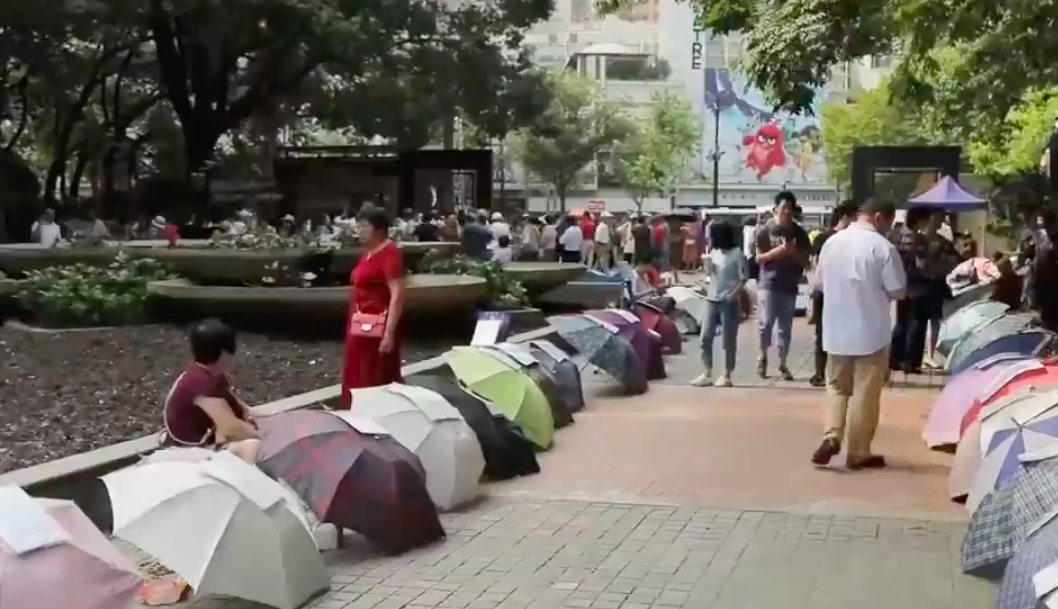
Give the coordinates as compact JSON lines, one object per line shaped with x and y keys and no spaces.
{"x":723,"y":381}
{"x":703,"y":380}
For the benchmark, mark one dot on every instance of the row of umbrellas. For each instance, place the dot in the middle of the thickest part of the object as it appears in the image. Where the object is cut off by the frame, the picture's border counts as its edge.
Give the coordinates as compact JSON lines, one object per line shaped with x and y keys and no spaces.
{"x":998,"y":413}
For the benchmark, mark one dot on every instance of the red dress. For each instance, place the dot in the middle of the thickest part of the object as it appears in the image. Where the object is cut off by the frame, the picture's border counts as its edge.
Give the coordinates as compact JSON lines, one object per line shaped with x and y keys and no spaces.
{"x":364,"y":365}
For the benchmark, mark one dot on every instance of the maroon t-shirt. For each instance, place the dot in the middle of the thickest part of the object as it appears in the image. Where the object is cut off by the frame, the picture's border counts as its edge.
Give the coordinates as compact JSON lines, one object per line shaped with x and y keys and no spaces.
{"x":185,"y":421}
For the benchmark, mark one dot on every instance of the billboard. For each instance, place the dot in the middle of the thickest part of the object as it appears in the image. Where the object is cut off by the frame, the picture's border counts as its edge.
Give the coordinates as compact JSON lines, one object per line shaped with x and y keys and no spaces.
{"x":757,"y":145}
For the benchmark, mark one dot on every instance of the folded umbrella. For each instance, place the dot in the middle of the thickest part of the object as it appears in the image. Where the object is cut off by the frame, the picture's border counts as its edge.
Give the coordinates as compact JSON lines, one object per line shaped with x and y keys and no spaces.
{"x":1035,"y":557}
{"x":519,"y":355}
{"x":655,"y":319}
{"x":366,"y":482}
{"x":963,"y":322}
{"x":504,"y":385}
{"x":427,"y":425}
{"x":222,"y":526}
{"x":646,"y":342}
{"x":51,"y":555}
{"x":944,"y":425}
{"x":1010,"y":323}
{"x":508,"y":453}
{"x":603,"y":347}
{"x":1026,"y":343}
{"x":563,"y":370}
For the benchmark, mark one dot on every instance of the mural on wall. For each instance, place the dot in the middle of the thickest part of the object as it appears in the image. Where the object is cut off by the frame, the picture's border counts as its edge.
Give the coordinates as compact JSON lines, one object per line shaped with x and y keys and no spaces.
{"x":756,"y":144}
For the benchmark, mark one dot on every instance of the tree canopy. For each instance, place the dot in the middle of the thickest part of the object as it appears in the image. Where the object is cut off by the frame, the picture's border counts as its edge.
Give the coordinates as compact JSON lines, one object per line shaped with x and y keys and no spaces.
{"x":653,"y":159}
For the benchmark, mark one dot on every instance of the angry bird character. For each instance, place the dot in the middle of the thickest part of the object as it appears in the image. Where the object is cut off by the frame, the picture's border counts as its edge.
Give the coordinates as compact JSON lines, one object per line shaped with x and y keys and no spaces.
{"x":765,"y":150}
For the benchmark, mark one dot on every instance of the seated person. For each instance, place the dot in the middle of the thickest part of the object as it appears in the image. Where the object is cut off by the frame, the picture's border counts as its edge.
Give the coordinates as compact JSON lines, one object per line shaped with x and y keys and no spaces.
{"x":646,"y":280}
{"x":201,"y":409}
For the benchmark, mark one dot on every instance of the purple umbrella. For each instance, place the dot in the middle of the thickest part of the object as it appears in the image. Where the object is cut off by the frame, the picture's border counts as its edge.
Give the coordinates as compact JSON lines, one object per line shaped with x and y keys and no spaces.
{"x":646,"y":344}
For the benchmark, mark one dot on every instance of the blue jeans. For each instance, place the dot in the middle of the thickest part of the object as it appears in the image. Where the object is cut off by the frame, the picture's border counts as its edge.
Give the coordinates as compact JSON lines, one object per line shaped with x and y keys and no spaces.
{"x":726,"y":316}
{"x":775,"y":311}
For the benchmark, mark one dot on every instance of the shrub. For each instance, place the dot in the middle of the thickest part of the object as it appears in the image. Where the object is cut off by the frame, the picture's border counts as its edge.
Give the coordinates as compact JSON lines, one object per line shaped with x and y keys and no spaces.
{"x":80,"y":295}
{"x":504,"y":291}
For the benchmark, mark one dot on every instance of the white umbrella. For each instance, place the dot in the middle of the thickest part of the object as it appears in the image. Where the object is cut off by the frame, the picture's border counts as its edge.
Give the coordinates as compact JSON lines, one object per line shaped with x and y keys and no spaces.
{"x":427,"y":425}
{"x":222,"y":525}
{"x":689,"y":301}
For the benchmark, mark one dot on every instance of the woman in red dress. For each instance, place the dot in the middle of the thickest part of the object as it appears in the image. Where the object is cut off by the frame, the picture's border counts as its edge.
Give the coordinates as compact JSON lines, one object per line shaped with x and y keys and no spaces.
{"x":376,"y":297}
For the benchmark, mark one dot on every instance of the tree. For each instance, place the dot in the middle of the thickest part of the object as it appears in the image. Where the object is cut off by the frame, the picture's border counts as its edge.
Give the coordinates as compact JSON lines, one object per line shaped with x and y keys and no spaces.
{"x":576,"y":127}
{"x":652,"y":160}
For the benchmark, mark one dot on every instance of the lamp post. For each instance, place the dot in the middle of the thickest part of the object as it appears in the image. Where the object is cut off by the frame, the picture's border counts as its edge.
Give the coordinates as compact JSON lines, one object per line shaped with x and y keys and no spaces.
{"x":1052,"y":159}
{"x":715,"y":155}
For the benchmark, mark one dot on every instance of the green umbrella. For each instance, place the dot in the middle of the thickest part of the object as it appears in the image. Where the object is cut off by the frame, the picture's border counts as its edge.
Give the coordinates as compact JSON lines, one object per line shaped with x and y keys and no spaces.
{"x":963,"y":322}
{"x":510,"y":391}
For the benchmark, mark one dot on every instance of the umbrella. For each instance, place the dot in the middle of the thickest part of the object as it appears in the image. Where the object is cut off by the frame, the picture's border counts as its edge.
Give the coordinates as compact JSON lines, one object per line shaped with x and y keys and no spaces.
{"x":691,"y":305}
{"x":1016,"y":378}
{"x":646,"y":343}
{"x":946,"y":194}
{"x":1036,"y":555}
{"x":1030,"y":424}
{"x":355,"y":478}
{"x":654,"y":319}
{"x":1007,"y":516}
{"x":222,"y":526}
{"x":427,"y":425}
{"x":944,"y":425}
{"x":683,"y":214}
{"x":563,"y":371}
{"x":508,"y":454}
{"x":507,"y":388}
{"x":520,"y":356}
{"x":1026,"y":344}
{"x":970,"y":450}
{"x":601,"y":344}
{"x":967,"y":319}
{"x":1011,"y":323}
{"x":51,"y":555}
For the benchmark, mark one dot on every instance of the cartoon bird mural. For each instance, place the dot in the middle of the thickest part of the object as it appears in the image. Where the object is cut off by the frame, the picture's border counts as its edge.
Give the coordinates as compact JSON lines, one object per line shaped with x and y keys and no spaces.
{"x":765,"y":150}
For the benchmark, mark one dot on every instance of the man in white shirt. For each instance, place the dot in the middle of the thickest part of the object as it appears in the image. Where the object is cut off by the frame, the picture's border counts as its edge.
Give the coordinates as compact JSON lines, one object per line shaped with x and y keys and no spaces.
{"x":603,"y":241}
{"x":46,"y":231}
{"x":499,"y":227}
{"x":859,"y":273}
{"x":570,"y":243}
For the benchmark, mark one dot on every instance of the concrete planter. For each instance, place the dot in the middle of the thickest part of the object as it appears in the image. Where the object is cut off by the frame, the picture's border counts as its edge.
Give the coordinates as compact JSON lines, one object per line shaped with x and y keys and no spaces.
{"x":540,"y":277}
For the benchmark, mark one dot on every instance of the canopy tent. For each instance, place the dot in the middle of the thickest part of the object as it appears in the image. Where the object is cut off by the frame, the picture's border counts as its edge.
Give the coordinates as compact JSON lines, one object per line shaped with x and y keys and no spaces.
{"x":947,"y":194}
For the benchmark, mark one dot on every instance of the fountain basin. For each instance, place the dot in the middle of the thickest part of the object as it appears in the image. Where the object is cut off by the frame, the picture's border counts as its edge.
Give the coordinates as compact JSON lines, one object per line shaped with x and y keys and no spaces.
{"x":538,"y":277}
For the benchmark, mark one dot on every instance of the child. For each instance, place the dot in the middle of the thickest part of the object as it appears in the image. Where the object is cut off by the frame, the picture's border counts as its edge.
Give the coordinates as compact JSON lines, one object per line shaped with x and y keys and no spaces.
{"x":728,"y":271}
{"x":503,"y":252}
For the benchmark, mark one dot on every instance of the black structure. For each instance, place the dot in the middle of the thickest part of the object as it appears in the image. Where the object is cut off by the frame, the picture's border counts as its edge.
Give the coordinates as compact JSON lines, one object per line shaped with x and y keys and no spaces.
{"x":373,"y":171}
{"x":867,"y":161}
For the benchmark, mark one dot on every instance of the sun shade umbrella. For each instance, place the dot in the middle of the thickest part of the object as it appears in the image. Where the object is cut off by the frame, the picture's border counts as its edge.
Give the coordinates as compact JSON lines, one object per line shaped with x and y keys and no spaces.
{"x":504,"y":385}
{"x":1011,"y":323}
{"x":1007,"y":516}
{"x":1022,"y":586}
{"x":221,"y":525}
{"x":357,"y":478}
{"x":51,"y":555}
{"x":970,"y":451}
{"x":508,"y":454}
{"x":520,"y":355}
{"x":427,"y":425}
{"x":646,"y":343}
{"x":963,"y":322}
{"x":690,"y":308}
{"x":563,"y":370}
{"x":603,"y":347}
{"x":654,"y":319}
{"x":1027,"y":343}
{"x":1017,"y":378}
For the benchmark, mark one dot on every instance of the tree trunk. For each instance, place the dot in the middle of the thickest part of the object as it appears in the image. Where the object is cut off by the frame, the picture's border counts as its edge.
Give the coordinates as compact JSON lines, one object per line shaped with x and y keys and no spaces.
{"x":199,"y":142}
{"x":75,"y":179}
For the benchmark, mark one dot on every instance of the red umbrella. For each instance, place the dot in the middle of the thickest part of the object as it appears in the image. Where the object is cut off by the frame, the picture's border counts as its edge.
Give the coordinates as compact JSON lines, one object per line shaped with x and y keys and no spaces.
{"x":369,"y":484}
{"x":654,"y":319}
{"x":1021,"y":377}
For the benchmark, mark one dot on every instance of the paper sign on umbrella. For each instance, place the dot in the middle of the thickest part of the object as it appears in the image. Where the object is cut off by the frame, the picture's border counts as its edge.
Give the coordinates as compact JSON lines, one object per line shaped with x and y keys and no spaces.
{"x":222,"y":525}
{"x":427,"y":425}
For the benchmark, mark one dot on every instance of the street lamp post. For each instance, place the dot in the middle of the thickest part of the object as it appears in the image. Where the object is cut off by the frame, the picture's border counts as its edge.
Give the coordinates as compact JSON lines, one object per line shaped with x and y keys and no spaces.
{"x":715,"y":155}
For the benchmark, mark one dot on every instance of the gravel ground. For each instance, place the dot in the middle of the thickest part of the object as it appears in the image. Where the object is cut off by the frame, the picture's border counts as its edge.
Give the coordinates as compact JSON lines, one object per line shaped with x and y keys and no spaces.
{"x":69,"y":392}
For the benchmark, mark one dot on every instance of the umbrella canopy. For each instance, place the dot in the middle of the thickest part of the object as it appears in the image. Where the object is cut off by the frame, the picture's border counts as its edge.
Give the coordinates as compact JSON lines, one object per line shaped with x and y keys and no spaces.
{"x":947,"y":194}
{"x":222,"y":526}
{"x":563,"y":371}
{"x":1030,"y":424}
{"x":964,"y":321}
{"x":507,"y":452}
{"x":1011,"y":323}
{"x":1007,"y":516}
{"x":51,"y":555}
{"x":1011,"y":380}
{"x":1038,"y":553}
{"x":1027,"y":343}
{"x":944,"y":426}
{"x":970,"y":450}
{"x":361,"y":481}
{"x":683,"y":214}
{"x":690,"y":308}
{"x":520,"y":356}
{"x":427,"y":425}
{"x":654,"y":319}
{"x":504,"y":385}
{"x":646,"y":343}
{"x":602,"y":346}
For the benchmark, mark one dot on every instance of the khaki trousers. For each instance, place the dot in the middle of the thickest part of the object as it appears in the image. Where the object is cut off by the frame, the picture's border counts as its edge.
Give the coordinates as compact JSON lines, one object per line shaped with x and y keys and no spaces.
{"x":854,"y":393}
{"x":602,"y":256}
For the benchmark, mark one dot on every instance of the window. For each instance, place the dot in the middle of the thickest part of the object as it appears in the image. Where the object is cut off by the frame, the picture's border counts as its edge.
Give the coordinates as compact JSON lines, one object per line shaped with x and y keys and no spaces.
{"x":552,"y":38}
{"x":881,"y":61}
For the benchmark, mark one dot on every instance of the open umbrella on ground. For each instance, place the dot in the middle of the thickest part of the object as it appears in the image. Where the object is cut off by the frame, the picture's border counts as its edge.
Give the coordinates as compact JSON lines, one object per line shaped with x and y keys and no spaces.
{"x":360,"y":480}
{"x":656,"y":320}
{"x":970,"y":450}
{"x":1007,"y":516}
{"x":1010,"y":323}
{"x":646,"y":342}
{"x":563,"y":370}
{"x":520,"y":355}
{"x":51,"y":555}
{"x":944,"y":426}
{"x":505,"y":386}
{"x":692,"y":304}
{"x":222,"y":526}
{"x":508,"y":453}
{"x":1019,"y":589}
{"x":961,"y":323}
{"x":601,"y":344}
{"x":427,"y":425}
{"x":1027,"y":343}
{"x":1017,"y":378}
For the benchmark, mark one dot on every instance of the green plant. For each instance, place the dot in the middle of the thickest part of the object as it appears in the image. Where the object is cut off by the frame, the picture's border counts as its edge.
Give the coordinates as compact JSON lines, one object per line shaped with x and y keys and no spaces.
{"x":80,"y":295}
{"x":279,"y":275}
{"x":504,"y":291}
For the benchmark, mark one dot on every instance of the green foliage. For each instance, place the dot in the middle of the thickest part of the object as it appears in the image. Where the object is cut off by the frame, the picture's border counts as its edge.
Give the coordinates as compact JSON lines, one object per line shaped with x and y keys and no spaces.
{"x":652,"y":160}
{"x":80,"y":295}
{"x":576,"y":127}
{"x":504,"y":291}
{"x":262,"y":238}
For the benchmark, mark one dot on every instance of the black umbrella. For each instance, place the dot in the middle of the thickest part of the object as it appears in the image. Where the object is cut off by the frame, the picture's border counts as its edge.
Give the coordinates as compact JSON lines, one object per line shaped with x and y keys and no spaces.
{"x":560,"y":412}
{"x":563,"y":370}
{"x":508,"y":454}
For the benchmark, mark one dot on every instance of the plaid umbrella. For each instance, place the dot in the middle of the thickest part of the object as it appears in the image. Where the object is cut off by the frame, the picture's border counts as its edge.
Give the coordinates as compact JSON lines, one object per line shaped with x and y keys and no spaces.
{"x":646,"y":342}
{"x":601,"y":345}
{"x":369,"y":484}
{"x":1011,"y":323}
{"x":1040,"y":551}
{"x":1027,"y":343}
{"x":1007,"y":516}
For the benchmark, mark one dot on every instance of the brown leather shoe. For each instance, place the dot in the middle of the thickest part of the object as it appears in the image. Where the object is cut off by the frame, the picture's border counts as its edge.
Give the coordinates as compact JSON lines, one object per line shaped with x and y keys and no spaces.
{"x":871,"y":462}
{"x":826,"y":451}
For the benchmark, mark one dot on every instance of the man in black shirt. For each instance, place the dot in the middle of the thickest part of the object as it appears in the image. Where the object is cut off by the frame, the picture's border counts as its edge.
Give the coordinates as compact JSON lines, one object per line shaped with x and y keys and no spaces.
{"x":426,"y":231}
{"x":912,"y":314}
{"x":644,"y":245}
{"x":843,"y":215}
{"x":476,"y":239}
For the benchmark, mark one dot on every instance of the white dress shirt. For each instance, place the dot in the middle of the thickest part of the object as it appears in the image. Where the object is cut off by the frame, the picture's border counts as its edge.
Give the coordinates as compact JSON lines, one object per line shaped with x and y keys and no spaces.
{"x":572,"y":239}
{"x":602,"y":233}
{"x":858,"y":271}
